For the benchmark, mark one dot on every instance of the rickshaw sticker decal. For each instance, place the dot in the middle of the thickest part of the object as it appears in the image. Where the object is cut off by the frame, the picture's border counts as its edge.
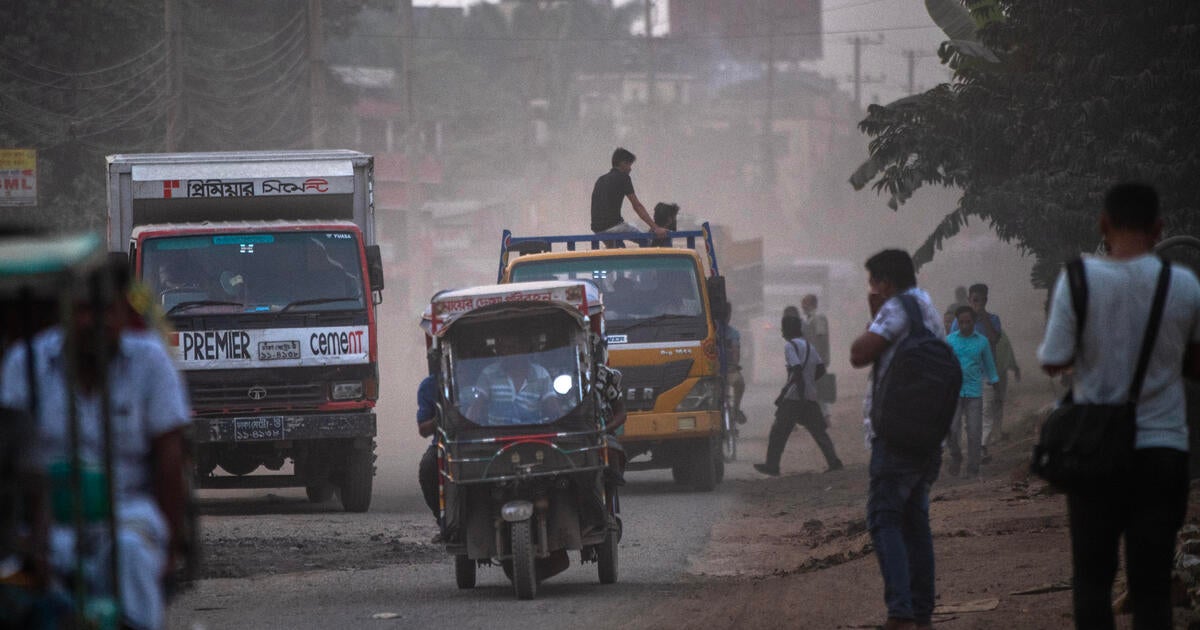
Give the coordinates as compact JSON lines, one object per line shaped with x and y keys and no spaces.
{"x":615,"y":339}
{"x":274,"y":347}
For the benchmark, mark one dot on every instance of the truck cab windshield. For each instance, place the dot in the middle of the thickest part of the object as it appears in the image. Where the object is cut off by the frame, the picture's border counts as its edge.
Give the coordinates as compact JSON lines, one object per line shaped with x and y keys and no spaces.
{"x":647,"y":298}
{"x":255,"y":272}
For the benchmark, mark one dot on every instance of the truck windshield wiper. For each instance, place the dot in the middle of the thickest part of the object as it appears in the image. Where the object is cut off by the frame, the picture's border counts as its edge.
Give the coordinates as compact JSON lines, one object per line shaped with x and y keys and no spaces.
{"x":324,"y":300}
{"x":182,"y":306}
{"x":657,"y":319}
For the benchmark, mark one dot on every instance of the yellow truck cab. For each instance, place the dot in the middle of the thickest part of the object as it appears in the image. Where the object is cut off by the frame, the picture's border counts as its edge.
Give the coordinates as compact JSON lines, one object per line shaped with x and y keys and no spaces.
{"x":663,"y":335}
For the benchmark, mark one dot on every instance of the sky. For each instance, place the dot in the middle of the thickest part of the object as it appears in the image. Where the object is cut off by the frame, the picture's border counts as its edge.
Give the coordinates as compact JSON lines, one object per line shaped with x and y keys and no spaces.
{"x":897,"y":25}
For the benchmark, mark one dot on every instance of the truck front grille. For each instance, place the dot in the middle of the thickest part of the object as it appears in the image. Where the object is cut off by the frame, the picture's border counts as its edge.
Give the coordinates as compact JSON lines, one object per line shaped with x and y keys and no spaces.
{"x":266,"y":395}
{"x":644,"y":383}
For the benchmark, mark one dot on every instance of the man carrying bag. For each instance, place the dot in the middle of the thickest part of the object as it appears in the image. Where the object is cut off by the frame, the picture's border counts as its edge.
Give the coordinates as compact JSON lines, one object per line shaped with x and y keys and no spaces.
{"x":1123,"y":324}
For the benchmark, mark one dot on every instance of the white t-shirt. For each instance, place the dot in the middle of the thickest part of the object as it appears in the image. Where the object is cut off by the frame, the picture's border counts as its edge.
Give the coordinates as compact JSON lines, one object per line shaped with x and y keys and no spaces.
{"x":794,"y":352}
{"x":146,"y":395}
{"x":1120,"y":295}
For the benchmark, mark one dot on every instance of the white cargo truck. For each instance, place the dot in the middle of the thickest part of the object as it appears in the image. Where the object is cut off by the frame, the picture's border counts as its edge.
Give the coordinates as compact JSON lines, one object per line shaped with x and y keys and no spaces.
{"x":266,"y":267}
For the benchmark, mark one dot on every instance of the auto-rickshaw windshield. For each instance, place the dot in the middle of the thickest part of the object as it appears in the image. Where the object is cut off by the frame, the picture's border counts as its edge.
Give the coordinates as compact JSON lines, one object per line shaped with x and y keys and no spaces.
{"x":517,"y":371}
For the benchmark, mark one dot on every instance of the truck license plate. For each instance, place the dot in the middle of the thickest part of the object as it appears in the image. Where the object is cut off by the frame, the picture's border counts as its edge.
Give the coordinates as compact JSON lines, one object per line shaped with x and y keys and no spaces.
{"x":276,"y":350}
{"x":257,"y":429}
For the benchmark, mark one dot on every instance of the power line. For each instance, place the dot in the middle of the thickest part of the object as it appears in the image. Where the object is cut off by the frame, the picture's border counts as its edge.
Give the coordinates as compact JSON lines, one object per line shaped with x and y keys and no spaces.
{"x":629,"y":38}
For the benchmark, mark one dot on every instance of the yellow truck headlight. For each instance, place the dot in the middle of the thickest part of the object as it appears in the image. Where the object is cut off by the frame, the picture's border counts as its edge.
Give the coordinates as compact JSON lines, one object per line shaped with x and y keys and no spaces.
{"x":703,"y":396}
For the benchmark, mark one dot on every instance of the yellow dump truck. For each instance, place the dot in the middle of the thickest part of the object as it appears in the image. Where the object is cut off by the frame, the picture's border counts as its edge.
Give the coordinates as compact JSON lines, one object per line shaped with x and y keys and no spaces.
{"x":661,"y":306}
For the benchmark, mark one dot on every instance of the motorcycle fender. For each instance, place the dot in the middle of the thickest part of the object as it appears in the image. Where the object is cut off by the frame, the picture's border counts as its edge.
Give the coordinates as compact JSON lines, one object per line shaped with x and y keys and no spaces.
{"x":516,"y":511}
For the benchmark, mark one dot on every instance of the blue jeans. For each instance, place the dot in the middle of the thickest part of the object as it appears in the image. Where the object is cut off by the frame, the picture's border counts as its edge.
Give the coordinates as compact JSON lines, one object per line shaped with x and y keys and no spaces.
{"x":898,"y":518}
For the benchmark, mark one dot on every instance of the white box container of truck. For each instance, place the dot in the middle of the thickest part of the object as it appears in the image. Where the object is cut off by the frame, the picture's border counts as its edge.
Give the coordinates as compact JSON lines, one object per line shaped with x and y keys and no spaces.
{"x":266,"y":267}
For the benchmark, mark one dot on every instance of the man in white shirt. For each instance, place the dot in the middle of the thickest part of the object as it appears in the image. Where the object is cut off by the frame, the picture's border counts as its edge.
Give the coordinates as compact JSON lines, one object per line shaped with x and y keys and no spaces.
{"x":149,"y":412}
{"x":898,"y":495}
{"x":1149,"y":506}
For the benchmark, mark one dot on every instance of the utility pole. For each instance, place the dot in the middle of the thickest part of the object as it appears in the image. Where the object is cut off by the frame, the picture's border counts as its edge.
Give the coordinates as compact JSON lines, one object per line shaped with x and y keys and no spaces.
{"x":172,"y":21}
{"x":911,"y":56}
{"x":770,"y":170}
{"x":858,"y":42}
{"x":316,"y":71}
{"x":408,"y":32}
{"x":651,"y":89}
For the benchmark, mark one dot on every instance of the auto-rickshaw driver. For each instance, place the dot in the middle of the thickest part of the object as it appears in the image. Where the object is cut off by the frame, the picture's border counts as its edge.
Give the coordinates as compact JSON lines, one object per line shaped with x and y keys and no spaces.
{"x":513,"y":389}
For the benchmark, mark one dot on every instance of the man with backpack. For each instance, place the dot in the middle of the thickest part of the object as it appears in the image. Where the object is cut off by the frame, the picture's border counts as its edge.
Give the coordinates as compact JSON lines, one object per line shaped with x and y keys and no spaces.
{"x":1103,"y":326}
{"x":915,"y":385}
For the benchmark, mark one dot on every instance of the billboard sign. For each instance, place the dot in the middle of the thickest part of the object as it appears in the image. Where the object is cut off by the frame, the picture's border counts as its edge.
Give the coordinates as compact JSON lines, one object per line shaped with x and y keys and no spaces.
{"x":18,"y":177}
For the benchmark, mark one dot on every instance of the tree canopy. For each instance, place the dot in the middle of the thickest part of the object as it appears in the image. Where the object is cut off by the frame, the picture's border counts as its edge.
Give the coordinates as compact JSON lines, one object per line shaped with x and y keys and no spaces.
{"x":1062,"y":100}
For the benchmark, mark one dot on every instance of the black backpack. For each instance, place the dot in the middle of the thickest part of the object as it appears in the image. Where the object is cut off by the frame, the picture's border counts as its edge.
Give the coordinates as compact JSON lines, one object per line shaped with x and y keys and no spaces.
{"x":915,"y":399}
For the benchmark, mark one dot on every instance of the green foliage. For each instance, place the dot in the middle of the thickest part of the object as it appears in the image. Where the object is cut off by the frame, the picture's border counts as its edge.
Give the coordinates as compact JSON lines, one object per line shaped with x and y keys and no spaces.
{"x":1085,"y":94}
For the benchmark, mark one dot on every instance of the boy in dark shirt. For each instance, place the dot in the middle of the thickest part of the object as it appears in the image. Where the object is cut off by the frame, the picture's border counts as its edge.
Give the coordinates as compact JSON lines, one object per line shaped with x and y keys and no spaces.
{"x":609,"y":193}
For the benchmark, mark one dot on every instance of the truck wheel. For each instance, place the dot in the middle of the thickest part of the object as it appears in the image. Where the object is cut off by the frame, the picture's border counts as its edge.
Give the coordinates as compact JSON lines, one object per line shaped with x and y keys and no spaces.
{"x":464,"y":571}
{"x":606,"y":558}
{"x":679,"y":469}
{"x":702,"y":457}
{"x":524,"y":572}
{"x":357,"y":479}
{"x":319,"y":492}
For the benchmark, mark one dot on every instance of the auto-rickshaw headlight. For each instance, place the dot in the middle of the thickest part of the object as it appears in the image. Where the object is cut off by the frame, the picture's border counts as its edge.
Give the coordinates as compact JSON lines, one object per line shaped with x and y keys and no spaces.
{"x":563,"y":384}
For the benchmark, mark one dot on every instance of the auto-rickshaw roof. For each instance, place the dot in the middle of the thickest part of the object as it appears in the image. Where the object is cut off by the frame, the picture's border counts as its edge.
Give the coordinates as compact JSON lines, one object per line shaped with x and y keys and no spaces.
{"x":577,"y":297}
{"x":41,"y":262}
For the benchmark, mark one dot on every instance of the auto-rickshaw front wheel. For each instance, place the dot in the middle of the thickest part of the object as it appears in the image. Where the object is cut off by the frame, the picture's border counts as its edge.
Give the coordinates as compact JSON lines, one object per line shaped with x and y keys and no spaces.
{"x":524,"y":571}
{"x":464,"y":571}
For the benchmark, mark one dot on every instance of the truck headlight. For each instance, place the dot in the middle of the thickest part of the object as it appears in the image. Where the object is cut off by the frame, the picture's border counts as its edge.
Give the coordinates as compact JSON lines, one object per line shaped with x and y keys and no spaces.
{"x":702,"y":397}
{"x":348,"y":390}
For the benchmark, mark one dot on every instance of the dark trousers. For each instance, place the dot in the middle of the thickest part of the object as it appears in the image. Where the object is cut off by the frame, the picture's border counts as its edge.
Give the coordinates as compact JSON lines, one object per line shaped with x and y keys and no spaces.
{"x":807,"y":414}
{"x":427,"y":474}
{"x":1148,"y":508}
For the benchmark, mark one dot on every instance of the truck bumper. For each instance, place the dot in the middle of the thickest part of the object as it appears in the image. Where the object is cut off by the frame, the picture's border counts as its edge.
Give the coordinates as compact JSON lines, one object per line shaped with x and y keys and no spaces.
{"x":272,"y":428}
{"x":654,"y":427}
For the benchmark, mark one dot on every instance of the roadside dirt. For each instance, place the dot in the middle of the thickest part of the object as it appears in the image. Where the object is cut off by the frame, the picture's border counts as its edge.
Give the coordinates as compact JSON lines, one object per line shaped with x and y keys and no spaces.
{"x":796,"y":553}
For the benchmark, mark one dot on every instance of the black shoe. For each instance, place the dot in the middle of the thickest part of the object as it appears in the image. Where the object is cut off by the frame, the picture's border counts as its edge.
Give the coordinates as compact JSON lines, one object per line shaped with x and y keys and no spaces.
{"x":437,"y":539}
{"x":984,"y":458}
{"x":834,"y":467}
{"x":766,"y":470}
{"x":740,"y":418}
{"x":955,"y":467}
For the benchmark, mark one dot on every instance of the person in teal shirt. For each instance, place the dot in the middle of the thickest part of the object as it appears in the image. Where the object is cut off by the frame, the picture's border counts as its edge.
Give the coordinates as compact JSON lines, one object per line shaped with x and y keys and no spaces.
{"x":975,"y":357}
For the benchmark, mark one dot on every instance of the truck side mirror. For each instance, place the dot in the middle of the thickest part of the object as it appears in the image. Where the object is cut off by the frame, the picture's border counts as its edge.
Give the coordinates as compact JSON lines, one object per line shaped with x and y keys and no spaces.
{"x":716,"y":295}
{"x":375,"y":268}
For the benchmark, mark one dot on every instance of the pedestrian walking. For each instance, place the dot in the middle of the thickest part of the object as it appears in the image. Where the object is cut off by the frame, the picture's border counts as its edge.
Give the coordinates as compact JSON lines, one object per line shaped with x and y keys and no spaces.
{"x":1102,"y":343}
{"x":797,"y":401}
{"x":988,"y":325}
{"x":975,"y":357}
{"x":609,"y":193}
{"x":1006,"y":361}
{"x":816,"y":330}
{"x":900,"y":477}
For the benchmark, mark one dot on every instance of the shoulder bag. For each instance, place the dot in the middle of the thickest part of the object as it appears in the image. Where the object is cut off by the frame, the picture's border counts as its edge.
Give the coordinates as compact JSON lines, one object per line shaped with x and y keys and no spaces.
{"x":1083,"y":445}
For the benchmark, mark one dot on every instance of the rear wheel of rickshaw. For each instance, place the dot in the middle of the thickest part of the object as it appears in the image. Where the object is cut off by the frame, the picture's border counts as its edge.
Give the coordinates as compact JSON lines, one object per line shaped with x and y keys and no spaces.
{"x":729,"y":434}
{"x":357,"y":479}
{"x":606,"y":558}
{"x":464,"y":571}
{"x":524,"y":573}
